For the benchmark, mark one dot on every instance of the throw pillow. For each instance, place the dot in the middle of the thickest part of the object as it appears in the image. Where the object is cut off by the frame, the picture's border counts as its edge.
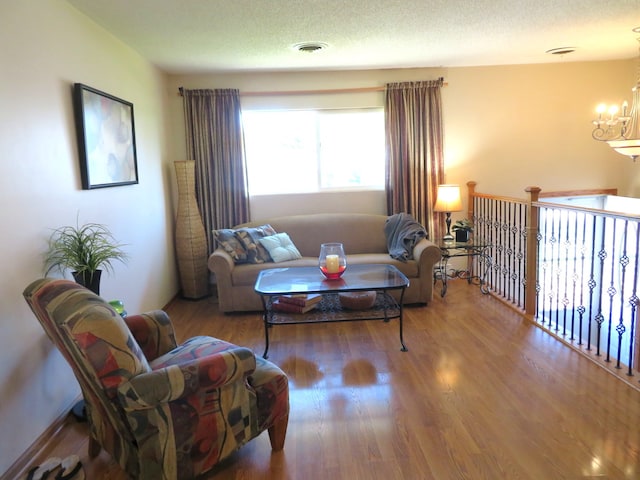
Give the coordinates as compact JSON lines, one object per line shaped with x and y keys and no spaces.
{"x":280,"y":247}
{"x":249,"y":237}
{"x":227,"y":239}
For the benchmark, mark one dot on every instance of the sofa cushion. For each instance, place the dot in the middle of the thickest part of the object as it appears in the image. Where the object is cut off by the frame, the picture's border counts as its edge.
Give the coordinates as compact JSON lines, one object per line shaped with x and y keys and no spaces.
{"x":280,"y":247}
{"x":249,"y":236}
{"x":358,"y":233}
{"x":247,"y":274}
{"x":227,"y":239}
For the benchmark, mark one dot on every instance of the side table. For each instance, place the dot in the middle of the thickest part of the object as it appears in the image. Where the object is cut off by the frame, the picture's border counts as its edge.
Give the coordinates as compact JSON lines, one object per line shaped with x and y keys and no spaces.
{"x":475,"y":247}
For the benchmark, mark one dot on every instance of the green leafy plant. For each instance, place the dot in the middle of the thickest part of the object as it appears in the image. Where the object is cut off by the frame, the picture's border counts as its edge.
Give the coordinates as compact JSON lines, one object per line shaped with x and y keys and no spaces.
{"x":464,"y":225}
{"x":84,"y":249}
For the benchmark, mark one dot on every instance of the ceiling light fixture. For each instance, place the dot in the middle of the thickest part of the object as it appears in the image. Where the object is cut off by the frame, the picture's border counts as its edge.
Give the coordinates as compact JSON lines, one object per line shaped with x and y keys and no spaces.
{"x":310,"y":47}
{"x":621,"y":132}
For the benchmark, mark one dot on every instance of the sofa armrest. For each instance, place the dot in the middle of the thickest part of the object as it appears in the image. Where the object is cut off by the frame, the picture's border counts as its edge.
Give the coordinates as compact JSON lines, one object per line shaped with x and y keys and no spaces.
{"x":426,"y":254}
{"x":222,"y":265}
{"x":173,"y":382}
{"x":221,"y":260}
{"x":153,"y":331}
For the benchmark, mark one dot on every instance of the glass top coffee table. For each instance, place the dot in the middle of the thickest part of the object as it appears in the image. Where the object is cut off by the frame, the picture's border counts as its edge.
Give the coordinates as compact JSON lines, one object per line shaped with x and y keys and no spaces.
{"x":382,"y":279}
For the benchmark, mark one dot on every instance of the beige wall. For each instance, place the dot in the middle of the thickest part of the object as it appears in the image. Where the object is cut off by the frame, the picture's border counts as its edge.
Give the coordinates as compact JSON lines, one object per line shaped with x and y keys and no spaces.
{"x":511,"y":127}
{"x":506,"y":127}
{"x":46,"y":47}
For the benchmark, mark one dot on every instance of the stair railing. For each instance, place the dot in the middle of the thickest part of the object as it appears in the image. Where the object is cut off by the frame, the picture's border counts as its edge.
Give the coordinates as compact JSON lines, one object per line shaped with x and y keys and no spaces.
{"x":572,"y":270}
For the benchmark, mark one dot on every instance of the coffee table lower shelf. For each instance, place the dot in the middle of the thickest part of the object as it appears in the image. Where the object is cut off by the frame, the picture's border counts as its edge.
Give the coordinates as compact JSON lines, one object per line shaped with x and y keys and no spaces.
{"x":329,"y":310}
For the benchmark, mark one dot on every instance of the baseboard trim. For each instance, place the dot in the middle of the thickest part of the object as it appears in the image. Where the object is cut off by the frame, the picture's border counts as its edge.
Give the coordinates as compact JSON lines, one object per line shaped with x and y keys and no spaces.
{"x":19,"y":468}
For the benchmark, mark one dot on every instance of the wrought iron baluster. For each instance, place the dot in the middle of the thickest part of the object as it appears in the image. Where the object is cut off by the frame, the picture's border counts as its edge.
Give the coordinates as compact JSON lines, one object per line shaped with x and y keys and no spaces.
{"x":611,"y":291}
{"x":623,"y":261}
{"x":574,"y":275}
{"x":555,"y":267}
{"x":633,"y":302}
{"x":581,"y":309}
{"x":563,"y":273}
{"x":546,"y":271}
{"x":592,"y":282}
{"x":602,"y":255}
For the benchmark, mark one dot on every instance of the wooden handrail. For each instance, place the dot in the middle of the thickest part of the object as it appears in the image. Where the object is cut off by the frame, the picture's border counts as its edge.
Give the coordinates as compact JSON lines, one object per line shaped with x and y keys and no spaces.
{"x":571,"y":193}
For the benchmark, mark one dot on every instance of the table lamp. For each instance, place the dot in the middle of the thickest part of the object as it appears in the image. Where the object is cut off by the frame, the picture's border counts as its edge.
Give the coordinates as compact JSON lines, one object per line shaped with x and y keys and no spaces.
{"x":448,"y":200}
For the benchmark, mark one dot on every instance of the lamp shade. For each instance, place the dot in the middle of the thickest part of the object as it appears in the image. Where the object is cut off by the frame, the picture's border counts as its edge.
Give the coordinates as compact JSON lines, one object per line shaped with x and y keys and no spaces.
{"x":448,"y":199}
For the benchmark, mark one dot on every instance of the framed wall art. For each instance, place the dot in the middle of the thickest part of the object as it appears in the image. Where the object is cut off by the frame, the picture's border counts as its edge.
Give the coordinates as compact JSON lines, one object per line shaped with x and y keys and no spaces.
{"x":106,"y":138}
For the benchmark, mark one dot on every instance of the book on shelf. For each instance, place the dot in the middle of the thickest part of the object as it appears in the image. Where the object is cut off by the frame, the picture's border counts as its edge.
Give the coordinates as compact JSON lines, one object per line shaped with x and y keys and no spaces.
{"x":303,"y":300}
{"x":279,"y":306}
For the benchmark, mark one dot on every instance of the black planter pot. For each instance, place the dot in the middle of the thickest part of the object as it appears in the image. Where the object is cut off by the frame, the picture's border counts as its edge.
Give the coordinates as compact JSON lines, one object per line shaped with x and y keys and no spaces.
{"x":462,"y":236}
{"x":89,"y":280}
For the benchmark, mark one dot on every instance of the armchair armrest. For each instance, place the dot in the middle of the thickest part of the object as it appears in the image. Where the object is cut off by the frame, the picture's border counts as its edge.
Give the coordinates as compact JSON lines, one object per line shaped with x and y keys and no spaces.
{"x":173,"y":382}
{"x":153,"y":331}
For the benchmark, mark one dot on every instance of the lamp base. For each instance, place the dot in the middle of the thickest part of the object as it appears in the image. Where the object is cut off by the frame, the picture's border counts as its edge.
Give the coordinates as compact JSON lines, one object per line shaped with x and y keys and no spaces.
{"x":448,"y":238}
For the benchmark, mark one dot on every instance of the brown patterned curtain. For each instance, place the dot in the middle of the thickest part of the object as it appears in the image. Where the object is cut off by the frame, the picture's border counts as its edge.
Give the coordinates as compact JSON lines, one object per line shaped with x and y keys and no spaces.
{"x":414,"y":143}
{"x":214,"y":140}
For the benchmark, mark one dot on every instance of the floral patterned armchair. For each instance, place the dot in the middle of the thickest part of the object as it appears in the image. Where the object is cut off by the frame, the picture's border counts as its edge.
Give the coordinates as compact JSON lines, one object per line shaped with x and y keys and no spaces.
{"x":162,"y":410}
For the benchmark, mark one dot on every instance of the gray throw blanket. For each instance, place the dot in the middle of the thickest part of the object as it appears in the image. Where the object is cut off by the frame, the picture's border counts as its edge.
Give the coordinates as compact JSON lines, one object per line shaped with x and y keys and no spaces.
{"x":402,"y":233}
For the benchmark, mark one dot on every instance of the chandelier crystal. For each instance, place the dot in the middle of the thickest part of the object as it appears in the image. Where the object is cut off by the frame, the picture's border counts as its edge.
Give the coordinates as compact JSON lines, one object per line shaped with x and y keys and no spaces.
{"x":621,"y":132}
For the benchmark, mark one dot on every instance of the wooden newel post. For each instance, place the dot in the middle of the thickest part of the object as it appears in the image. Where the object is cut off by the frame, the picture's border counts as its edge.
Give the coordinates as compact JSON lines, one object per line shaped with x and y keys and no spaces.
{"x":532,"y":218}
{"x":471,"y":190}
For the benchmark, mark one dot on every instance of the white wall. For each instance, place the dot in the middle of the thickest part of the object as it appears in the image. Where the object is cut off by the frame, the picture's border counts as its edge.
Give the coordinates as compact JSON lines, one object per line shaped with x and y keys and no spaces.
{"x":506,"y":127}
{"x":46,"y":47}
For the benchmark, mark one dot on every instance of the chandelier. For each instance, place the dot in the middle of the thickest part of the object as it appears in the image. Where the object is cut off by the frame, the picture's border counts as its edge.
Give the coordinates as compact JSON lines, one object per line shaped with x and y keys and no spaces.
{"x":620,"y":127}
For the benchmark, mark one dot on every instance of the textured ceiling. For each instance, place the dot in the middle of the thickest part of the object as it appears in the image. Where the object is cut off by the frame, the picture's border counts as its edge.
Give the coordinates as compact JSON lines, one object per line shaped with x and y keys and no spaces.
{"x":191,"y":36}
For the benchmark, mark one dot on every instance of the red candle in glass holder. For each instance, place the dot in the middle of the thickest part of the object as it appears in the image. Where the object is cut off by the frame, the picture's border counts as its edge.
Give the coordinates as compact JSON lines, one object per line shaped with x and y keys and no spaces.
{"x":332,"y":260}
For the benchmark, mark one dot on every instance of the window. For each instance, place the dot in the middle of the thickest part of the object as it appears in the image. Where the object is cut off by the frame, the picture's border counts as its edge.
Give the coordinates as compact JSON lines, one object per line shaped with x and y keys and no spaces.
{"x":306,"y":151}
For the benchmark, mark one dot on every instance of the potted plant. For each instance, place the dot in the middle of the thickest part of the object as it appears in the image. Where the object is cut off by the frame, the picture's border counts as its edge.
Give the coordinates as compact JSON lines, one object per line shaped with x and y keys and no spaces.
{"x":462,"y":230}
{"x":85,"y":250}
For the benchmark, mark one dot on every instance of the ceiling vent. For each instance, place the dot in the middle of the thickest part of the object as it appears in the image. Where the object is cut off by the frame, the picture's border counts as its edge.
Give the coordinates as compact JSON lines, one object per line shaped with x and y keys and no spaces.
{"x":561,"y":50}
{"x":310,"y":47}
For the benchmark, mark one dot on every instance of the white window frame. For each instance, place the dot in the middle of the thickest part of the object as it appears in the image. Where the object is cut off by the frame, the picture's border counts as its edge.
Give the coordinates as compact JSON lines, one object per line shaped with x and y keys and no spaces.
{"x":273,"y":158}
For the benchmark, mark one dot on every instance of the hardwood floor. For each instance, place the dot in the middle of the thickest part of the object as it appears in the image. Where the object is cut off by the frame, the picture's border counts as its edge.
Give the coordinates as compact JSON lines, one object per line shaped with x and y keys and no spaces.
{"x":481,"y":394}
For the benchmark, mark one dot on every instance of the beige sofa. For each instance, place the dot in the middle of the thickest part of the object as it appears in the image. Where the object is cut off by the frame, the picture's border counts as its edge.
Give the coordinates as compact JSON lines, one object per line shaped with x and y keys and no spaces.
{"x":364,"y":242}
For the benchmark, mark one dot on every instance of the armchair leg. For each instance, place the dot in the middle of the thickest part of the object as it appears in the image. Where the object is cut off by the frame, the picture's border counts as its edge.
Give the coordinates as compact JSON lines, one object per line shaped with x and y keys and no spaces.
{"x":278,"y":432}
{"x":94,"y":447}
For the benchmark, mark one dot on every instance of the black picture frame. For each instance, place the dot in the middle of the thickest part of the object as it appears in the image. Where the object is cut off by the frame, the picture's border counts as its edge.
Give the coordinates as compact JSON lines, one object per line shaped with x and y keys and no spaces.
{"x":106,"y":138}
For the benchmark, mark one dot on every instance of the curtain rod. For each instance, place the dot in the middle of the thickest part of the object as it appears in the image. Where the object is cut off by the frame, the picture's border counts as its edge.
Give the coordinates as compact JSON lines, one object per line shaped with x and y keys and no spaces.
{"x":309,"y":92}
